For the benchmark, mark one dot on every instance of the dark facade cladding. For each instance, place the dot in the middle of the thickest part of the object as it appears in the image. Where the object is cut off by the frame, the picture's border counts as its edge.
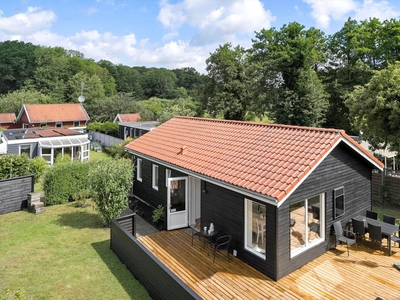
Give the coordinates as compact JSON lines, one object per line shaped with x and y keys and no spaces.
{"x":14,"y":193}
{"x":343,"y":167}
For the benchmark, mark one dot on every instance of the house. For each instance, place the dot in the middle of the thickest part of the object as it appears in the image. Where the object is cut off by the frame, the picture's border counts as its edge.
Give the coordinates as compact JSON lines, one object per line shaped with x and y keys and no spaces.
{"x":126,"y":118}
{"x":71,"y":115}
{"x":8,"y":121}
{"x":276,"y":189}
{"x":135,"y":129}
{"x":45,"y":142}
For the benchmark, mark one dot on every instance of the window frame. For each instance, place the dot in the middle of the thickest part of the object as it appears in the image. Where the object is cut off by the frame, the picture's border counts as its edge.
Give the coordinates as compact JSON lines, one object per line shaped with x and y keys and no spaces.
{"x":335,"y":197}
{"x":154,"y":177}
{"x":248,"y":204}
{"x":167,"y":175}
{"x":28,"y":146}
{"x":322,"y":212}
{"x":77,"y":123}
{"x":58,"y":124}
{"x":139,"y":165}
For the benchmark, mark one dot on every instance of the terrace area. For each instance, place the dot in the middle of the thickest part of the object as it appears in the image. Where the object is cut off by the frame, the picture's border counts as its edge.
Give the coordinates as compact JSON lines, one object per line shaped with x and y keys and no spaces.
{"x":365,"y":274}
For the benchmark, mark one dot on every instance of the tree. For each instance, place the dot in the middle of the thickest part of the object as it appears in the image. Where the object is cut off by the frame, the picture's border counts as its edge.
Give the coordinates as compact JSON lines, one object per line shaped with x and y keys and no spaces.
{"x":92,"y":88}
{"x":375,"y":108}
{"x":281,"y":59}
{"x":228,"y":88}
{"x":159,"y":83}
{"x":12,"y":102}
{"x":110,"y":181}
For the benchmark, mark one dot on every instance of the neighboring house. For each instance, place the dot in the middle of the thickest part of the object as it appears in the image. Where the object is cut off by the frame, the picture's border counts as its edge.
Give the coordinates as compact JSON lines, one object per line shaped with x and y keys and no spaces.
{"x":71,"y":115}
{"x":45,"y":142}
{"x":276,"y":189}
{"x":126,"y":118}
{"x":8,"y":121}
{"x":135,"y":129}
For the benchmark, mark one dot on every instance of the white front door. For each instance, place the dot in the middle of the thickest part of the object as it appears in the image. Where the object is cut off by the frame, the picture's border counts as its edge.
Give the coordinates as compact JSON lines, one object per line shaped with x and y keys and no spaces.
{"x":177,"y":205}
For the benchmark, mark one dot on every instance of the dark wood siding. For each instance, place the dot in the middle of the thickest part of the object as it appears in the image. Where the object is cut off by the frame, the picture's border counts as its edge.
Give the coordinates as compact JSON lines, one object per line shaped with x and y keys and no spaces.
{"x":225,"y":209}
{"x":14,"y":193}
{"x":343,"y":167}
{"x":144,"y":190}
{"x":157,"y":279}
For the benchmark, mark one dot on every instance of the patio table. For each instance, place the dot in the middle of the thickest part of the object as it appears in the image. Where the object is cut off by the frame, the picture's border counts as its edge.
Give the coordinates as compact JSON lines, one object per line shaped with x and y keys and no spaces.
{"x":387,"y":229}
{"x":207,"y":237}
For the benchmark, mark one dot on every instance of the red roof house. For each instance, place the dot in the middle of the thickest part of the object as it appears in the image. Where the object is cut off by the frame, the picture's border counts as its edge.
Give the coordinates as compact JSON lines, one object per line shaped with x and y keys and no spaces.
{"x":53,"y":115}
{"x":127,"y":118}
{"x":8,"y":121}
{"x":276,"y":189}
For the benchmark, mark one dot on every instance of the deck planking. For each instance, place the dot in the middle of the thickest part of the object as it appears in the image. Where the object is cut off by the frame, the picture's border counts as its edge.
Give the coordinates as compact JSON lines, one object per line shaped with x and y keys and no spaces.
{"x":366,"y":274}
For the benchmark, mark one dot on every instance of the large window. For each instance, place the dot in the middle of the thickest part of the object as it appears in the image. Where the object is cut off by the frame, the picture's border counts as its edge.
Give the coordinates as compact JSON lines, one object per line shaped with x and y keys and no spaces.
{"x":155,"y":177}
{"x":25,"y":149}
{"x":139,"y":169}
{"x":307,"y":223}
{"x":338,"y":202}
{"x":255,"y":227}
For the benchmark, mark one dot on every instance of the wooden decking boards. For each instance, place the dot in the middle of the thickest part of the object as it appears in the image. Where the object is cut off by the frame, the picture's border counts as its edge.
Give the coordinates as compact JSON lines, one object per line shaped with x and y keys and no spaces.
{"x":366,"y":274}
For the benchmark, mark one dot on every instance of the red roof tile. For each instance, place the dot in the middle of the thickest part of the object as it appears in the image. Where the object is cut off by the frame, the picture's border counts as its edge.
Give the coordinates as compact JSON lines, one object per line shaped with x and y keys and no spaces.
{"x":264,"y":158}
{"x":42,"y":113}
{"x":129,"y":117}
{"x":7,"y":118}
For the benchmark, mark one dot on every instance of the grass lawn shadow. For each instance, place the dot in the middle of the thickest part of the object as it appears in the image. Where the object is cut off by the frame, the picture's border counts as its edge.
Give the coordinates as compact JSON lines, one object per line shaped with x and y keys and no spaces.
{"x":119,"y":270}
{"x":80,"y":219}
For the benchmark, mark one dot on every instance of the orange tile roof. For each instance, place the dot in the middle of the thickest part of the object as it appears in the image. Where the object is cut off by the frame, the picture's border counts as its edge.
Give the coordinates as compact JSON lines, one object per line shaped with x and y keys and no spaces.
{"x":40,"y":113}
{"x":7,"y":118}
{"x":268,"y":159}
{"x":129,"y":117}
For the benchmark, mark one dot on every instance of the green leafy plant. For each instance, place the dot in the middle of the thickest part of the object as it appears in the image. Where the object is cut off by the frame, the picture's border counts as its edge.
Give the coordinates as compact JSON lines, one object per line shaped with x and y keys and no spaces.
{"x":158,"y":214}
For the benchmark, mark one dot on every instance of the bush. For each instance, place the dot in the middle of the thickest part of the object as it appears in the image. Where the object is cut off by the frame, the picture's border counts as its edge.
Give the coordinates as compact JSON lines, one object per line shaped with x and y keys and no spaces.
{"x":12,"y":165}
{"x":65,"y":182}
{"x":117,"y":151}
{"x":109,"y":128}
{"x":158,"y":214}
{"x":110,"y":181}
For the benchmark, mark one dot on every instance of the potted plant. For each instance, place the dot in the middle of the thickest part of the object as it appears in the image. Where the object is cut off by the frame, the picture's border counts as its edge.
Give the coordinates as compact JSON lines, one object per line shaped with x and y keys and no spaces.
{"x":158,"y":215}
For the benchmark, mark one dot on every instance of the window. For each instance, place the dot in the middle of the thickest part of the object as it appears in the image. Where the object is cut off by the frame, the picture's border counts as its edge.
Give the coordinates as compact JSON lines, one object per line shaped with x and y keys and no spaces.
{"x":59,"y":124}
{"x":155,"y":177}
{"x":338,"y":202}
{"x":25,"y":149}
{"x":76,"y":124}
{"x":139,"y":169}
{"x":167,"y":175}
{"x":25,"y":125}
{"x":307,"y":223}
{"x":255,"y":227}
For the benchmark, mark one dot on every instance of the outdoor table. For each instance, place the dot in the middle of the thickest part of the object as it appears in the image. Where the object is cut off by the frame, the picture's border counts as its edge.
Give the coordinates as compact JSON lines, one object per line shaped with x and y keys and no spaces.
{"x":387,"y":229}
{"x":207,"y":237}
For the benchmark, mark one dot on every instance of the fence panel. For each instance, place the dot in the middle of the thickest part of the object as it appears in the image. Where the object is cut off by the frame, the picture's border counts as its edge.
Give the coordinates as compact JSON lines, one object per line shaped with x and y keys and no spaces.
{"x":14,"y":193}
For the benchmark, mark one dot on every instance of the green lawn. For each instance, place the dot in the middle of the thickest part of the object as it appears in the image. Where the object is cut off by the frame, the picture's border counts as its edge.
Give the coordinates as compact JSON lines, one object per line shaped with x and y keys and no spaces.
{"x":63,"y":253}
{"x":387,"y":211}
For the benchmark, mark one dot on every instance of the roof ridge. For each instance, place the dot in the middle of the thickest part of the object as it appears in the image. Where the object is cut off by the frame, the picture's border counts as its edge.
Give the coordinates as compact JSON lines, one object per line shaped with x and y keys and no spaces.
{"x":340,"y":131}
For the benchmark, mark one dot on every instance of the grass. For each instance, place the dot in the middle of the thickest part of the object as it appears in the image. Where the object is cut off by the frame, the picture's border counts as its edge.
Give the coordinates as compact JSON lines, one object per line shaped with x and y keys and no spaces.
{"x":63,"y":253}
{"x":97,"y":155}
{"x":382,"y":210}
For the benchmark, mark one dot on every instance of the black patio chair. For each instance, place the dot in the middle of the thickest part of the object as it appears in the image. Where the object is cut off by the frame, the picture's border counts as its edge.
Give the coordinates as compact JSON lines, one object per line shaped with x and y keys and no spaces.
{"x":195,"y":228}
{"x":222,"y":243}
{"x":358,"y":228}
{"x":371,"y":214}
{"x":341,"y":233}
{"x":375,"y":234}
{"x":390,"y":220}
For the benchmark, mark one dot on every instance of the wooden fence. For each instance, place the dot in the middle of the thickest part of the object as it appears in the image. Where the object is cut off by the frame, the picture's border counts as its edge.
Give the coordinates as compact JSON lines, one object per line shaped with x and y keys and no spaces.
{"x":386,"y":189}
{"x":157,"y":279}
{"x":14,"y":193}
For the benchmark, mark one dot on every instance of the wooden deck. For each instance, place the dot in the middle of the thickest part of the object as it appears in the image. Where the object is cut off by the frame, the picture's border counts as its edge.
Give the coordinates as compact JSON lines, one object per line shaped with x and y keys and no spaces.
{"x":366,"y":274}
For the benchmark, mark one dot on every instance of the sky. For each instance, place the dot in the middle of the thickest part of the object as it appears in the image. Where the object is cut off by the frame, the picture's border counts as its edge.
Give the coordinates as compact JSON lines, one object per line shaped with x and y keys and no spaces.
{"x":170,"y":33}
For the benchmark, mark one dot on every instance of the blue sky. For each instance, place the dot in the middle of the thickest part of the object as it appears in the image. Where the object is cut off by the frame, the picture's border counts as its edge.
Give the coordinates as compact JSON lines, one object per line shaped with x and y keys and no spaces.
{"x":174,"y":33}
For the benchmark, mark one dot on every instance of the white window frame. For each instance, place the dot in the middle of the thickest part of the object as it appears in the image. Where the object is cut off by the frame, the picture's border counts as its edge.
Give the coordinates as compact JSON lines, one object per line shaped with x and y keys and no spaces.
{"x":154,"y":177}
{"x":139,"y":169}
{"x":77,"y":123}
{"x":59,"y":124}
{"x":246,"y":234}
{"x":30,"y":149}
{"x":308,"y":245}
{"x":167,"y":175}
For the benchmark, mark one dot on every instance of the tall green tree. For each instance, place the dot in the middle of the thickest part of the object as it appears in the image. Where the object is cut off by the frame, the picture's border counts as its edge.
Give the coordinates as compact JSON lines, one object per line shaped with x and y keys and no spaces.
{"x":282,"y":57}
{"x":13,"y":102}
{"x":17,"y":64}
{"x":159,"y":83}
{"x":228,"y":88}
{"x":375,"y":108}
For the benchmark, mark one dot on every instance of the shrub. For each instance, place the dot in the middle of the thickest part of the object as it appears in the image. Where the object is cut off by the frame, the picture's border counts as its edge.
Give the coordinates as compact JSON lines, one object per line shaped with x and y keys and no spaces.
{"x":65,"y":182}
{"x":12,"y":165}
{"x":38,"y":166}
{"x":109,"y":128}
{"x":110,"y":181}
{"x":117,"y":151}
{"x":158,"y":214}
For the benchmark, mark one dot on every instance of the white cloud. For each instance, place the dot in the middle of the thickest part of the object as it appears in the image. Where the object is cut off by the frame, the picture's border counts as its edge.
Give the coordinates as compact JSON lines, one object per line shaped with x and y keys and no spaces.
{"x":216,"y":21}
{"x":324,"y":11}
{"x":91,"y":11}
{"x":32,"y":20}
{"x":376,"y":9}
